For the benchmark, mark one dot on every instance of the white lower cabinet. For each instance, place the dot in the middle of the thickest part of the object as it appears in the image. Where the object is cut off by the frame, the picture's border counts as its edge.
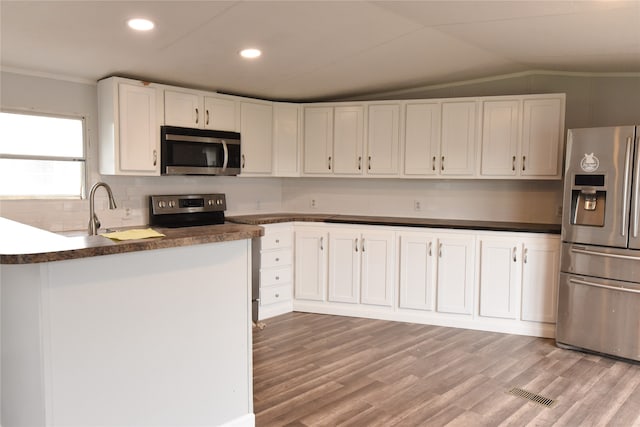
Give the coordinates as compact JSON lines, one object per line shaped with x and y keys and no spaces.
{"x":276,"y":270}
{"x":455,"y":274}
{"x":519,"y":277}
{"x":486,"y":280}
{"x":361,"y":267}
{"x":310,"y":264}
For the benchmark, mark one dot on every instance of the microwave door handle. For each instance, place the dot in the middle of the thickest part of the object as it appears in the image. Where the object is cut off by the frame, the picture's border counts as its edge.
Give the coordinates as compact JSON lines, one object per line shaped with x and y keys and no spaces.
{"x":625,"y":190}
{"x":226,"y":155}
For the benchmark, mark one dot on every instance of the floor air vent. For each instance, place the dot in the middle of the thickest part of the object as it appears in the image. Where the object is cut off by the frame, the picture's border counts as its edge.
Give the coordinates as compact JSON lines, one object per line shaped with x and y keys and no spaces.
{"x":535,"y":398}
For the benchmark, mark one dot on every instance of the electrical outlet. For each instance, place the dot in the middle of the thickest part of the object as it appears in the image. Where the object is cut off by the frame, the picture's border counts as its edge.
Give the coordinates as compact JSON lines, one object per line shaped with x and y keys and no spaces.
{"x":559,"y":211}
{"x":417,"y":205}
{"x":313,"y":203}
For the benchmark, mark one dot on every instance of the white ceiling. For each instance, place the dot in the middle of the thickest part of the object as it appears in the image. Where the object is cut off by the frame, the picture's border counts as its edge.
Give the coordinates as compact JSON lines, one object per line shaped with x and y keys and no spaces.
{"x":318,"y":49}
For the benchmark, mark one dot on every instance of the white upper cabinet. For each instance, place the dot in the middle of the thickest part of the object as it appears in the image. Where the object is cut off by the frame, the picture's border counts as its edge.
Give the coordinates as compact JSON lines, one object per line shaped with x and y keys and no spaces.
{"x":129,"y":127}
{"x":318,"y":140}
{"x":458,"y":138}
{"x":195,"y":110}
{"x":542,"y":137}
{"x":286,"y":139}
{"x":383,"y":139}
{"x":500,"y":138}
{"x":256,"y":131}
{"x":348,"y":138}
{"x":522,"y":137}
{"x":422,"y":139}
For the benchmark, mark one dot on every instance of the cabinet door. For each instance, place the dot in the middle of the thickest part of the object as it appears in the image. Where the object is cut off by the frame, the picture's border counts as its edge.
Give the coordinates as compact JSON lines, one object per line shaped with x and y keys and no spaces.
{"x":499,"y":277}
{"x":344,"y":266}
{"x":542,"y":135}
{"x":318,"y":140}
{"x":139,"y":130}
{"x":422,"y":139}
{"x":455,"y":274}
{"x":383,"y":140}
{"x":348,"y":137}
{"x":286,"y":119}
{"x":540,"y":273}
{"x":500,"y":134}
{"x":256,"y":121}
{"x":220,"y":114}
{"x":378,"y":272}
{"x":458,"y":143}
{"x":310,"y":265}
{"x":182,"y":109}
{"x":417,"y":272}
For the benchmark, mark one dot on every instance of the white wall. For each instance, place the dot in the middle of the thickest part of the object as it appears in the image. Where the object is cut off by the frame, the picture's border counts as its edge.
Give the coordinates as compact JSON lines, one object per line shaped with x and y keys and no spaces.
{"x":41,"y":94}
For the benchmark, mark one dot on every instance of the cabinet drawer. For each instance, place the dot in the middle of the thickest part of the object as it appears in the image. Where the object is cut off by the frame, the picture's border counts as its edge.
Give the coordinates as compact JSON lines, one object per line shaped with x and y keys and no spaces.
{"x":276,"y":258}
{"x":275,"y":276}
{"x":277,"y":240}
{"x":275,"y":294}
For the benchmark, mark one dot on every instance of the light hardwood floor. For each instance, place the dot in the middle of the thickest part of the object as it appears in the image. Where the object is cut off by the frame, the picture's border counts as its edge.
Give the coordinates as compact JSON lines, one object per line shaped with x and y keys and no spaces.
{"x":320,"y":370}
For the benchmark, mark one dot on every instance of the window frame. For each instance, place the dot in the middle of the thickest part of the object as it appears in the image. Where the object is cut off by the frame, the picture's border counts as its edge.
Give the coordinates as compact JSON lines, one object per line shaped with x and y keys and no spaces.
{"x":84,"y":160}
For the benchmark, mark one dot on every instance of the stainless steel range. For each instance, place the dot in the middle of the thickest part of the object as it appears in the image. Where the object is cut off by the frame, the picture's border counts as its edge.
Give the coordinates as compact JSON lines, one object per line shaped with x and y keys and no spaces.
{"x":599,"y":296}
{"x":186,"y":210}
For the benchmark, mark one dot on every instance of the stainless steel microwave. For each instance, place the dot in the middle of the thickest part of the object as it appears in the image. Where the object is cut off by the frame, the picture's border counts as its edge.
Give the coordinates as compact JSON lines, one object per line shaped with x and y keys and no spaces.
{"x":187,"y":151}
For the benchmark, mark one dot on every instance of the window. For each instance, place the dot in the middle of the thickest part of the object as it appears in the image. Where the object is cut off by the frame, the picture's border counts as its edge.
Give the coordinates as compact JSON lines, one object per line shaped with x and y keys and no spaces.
{"x":41,"y":156}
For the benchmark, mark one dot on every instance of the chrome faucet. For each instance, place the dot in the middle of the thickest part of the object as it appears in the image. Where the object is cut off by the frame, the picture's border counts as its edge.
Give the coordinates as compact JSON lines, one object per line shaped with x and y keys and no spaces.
{"x":94,"y":222}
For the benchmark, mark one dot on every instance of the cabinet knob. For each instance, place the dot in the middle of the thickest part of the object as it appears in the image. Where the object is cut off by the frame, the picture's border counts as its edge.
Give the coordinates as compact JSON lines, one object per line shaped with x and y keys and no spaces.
{"x":277,"y":240}
{"x":277,"y":277}
{"x":277,"y":259}
{"x":277,"y":295}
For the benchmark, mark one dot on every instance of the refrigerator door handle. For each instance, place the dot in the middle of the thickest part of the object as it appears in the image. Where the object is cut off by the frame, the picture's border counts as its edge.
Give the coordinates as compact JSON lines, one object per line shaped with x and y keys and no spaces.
{"x":598,"y":285}
{"x":579,"y":250}
{"x":625,"y":190}
{"x":636,"y":195}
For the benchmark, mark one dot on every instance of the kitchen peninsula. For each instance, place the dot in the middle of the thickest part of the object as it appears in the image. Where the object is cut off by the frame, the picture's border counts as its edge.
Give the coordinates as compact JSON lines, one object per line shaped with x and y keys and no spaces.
{"x":142,"y":332}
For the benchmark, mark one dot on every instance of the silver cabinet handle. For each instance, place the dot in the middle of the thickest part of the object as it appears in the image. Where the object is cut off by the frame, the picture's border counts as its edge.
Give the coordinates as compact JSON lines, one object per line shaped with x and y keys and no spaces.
{"x":277,"y":295}
{"x":243,"y":161}
{"x":524,"y":159}
{"x":322,"y":243}
{"x":356,"y":244}
{"x":363,"y":244}
{"x":433,"y":163}
{"x":329,"y":162}
{"x":197,"y":115}
{"x":442,"y":163}
{"x":579,"y":250}
{"x":440,"y":250}
{"x":369,"y":167}
{"x":513,"y":163}
{"x":277,"y":259}
{"x":277,"y":240}
{"x":430,"y":244}
{"x":155,"y":157}
{"x":206,"y":122}
{"x":524,"y":255}
{"x":277,"y":277}
{"x":625,"y":190}
{"x":359,"y":163}
{"x":598,"y":285}
{"x":514,"y":254}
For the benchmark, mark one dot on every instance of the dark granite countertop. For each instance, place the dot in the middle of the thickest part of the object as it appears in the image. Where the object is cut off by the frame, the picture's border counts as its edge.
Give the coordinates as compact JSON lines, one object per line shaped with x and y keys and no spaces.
{"x":398,"y":221}
{"x":23,"y":244}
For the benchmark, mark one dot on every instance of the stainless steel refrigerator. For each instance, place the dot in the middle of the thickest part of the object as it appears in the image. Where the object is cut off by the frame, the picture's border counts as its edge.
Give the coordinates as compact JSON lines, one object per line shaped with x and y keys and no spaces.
{"x":599,"y":295}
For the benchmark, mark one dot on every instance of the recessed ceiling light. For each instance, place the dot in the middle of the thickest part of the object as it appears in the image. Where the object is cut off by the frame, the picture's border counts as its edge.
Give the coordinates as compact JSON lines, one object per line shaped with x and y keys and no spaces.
{"x":140,"y":24}
{"x":250,"y":53}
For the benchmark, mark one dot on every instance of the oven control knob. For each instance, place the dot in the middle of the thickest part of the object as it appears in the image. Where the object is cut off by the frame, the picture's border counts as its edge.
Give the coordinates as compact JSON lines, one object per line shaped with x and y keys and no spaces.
{"x":162,"y":204}
{"x":172,"y":204}
{"x":219,"y":201}
{"x":210,"y":202}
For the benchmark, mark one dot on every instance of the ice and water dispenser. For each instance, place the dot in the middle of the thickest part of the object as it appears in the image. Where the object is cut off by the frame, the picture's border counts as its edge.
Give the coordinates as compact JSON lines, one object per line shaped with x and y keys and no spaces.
{"x":588,"y":200}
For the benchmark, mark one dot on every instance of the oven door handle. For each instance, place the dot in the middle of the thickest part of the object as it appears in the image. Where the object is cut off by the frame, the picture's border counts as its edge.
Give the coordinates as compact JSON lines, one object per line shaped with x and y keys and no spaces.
{"x":226,"y":155}
{"x":598,"y":285}
{"x":604,"y":254}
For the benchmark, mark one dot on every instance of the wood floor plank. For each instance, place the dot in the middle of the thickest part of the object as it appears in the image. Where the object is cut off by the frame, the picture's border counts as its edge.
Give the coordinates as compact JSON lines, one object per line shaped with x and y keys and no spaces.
{"x":320,"y":370}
